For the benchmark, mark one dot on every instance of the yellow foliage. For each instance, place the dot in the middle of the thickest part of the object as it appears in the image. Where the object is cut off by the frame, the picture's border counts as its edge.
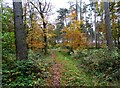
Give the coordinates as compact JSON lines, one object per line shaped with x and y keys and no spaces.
{"x":101,"y":27}
{"x":34,"y":39}
{"x":72,"y":15}
{"x":114,"y":25}
{"x":73,"y":37}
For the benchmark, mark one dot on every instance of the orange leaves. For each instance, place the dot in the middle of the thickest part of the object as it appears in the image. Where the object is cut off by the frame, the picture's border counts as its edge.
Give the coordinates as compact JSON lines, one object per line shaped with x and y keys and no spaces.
{"x":35,"y":37}
{"x":72,"y":15}
{"x":36,"y":44}
{"x":101,"y":27}
{"x":50,"y":35}
{"x":72,"y":36}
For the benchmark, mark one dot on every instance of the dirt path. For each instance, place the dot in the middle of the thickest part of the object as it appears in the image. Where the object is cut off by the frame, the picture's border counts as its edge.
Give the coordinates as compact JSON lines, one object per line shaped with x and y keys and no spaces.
{"x":64,"y":71}
{"x":55,"y":70}
{"x":56,"y":75}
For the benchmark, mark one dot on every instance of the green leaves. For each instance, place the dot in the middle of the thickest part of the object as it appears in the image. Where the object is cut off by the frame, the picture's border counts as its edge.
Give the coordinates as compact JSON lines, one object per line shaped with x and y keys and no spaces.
{"x":23,"y":73}
{"x":8,"y":39}
{"x":102,"y":64}
{"x":8,"y":46}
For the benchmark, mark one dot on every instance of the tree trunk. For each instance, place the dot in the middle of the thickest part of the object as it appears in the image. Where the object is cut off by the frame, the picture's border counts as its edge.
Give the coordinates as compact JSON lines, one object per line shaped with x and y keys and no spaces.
{"x":118,"y":38}
{"x":76,"y":11}
{"x":80,"y":9}
{"x":108,"y":26}
{"x":21,"y":49}
{"x":43,"y":9}
{"x":45,"y":36}
{"x":95,"y":26}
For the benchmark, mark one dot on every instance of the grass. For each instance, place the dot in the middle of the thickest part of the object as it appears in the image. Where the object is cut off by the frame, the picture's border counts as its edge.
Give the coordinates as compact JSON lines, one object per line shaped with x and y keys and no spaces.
{"x":71,"y":75}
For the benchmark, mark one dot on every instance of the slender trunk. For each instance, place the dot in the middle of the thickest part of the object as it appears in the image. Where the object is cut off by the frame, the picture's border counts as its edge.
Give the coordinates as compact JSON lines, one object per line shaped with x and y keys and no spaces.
{"x":108,"y":26}
{"x":95,"y":28}
{"x":80,"y":9}
{"x":118,"y":39}
{"x":65,"y":20}
{"x":81,"y":25}
{"x":1,"y":44}
{"x":25,"y":22}
{"x":76,"y":10}
{"x":21,"y":49}
{"x":45,"y":36}
{"x":92,"y":33}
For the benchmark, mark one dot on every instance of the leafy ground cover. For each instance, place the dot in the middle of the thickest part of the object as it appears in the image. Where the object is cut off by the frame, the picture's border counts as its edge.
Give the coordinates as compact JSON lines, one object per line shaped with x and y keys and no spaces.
{"x":59,"y":69}
{"x":32,"y":72}
{"x":100,"y":64}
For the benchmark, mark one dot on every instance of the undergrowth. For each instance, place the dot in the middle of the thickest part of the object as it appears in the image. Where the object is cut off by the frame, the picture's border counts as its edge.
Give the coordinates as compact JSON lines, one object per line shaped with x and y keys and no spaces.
{"x":25,"y":73}
{"x":73,"y":75}
{"x":101,"y":64}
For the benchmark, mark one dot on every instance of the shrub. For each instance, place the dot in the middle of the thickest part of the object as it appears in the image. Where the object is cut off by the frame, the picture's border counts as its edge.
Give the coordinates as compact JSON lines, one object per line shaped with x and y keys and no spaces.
{"x":23,"y":73}
{"x":101,"y":61}
{"x":80,"y":53}
{"x":8,"y":46}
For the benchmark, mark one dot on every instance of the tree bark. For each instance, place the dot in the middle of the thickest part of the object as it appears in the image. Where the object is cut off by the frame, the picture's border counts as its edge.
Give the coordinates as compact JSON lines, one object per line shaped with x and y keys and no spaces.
{"x":108,"y":26}
{"x":80,"y":9}
{"x":41,"y":10}
{"x":44,"y":30}
{"x":118,"y":38}
{"x":95,"y":26}
{"x":76,"y":11}
{"x":21,"y":49}
{"x":45,"y":36}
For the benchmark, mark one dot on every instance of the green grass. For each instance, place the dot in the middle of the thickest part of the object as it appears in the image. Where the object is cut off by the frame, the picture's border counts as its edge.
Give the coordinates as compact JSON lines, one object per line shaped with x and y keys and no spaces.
{"x":71,"y":75}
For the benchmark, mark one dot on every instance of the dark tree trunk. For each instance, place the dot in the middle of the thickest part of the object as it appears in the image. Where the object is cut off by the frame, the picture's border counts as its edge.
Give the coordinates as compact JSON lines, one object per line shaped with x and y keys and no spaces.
{"x":21,"y":49}
{"x":45,"y":36}
{"x":80,"y":9}
{"x":108,"y":26}
{"x":118,"y":38}
{"x":76,"y":11}
{"x":41,"y":10}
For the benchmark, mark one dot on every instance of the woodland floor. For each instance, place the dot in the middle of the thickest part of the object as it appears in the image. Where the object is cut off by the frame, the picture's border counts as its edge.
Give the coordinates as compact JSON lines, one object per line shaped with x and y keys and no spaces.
{"x":64,"y":72}
{"x":56,"y":69}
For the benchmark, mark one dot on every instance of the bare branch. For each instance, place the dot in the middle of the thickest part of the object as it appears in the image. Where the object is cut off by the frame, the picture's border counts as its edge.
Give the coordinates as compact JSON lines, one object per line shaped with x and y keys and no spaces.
{"x":48,"y":8}
{"x":44,"y":6}
{"x":35,"y":7}
{"x":40,"y":6}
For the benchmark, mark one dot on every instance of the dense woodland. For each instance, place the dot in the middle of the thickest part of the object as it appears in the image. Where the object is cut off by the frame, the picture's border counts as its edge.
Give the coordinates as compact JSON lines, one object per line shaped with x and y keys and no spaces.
{"x":82,"y":47}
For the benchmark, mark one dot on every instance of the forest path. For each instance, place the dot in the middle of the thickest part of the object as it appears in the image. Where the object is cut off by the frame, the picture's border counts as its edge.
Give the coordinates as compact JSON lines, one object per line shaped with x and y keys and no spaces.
{"x":55,"y":71}
{"x":64,"y":72}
